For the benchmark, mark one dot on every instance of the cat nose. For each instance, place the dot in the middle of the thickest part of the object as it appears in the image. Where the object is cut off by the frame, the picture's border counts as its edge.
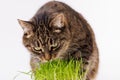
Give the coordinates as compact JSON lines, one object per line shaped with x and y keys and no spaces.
{"x":47,"y":56}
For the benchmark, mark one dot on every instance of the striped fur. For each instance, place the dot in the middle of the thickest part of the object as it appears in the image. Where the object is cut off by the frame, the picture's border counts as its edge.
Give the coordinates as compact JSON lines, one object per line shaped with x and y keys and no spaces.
{"x":57,"y":31}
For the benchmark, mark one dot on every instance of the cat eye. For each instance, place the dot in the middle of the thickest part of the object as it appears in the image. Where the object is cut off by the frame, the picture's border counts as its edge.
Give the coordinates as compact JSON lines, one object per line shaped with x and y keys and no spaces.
{"x":57,"y":31}
{"x":37,"y":48}
{"x":54,"y":47}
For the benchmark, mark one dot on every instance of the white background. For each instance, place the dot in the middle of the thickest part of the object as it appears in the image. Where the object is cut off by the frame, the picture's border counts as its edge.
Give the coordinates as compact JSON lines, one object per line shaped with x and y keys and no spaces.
{"x":103,"y":16}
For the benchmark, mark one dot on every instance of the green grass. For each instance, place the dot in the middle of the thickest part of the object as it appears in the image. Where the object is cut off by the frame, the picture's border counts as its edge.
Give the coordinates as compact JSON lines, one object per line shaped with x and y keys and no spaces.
{"x":59,"y":70}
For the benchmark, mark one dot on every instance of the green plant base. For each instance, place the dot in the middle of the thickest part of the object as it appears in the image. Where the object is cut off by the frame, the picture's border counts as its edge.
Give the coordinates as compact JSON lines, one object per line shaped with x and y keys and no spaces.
{"x":59,"y":70}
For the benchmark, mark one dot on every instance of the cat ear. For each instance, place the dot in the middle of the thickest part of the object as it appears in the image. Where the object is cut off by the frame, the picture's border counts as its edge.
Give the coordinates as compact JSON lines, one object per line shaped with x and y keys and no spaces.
{"x":58,"y":21}
{"x":27,"y":27}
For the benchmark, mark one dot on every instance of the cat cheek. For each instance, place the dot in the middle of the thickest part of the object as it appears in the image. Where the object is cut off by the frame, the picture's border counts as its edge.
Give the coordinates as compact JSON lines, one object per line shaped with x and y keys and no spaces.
{"x":29,"y":48}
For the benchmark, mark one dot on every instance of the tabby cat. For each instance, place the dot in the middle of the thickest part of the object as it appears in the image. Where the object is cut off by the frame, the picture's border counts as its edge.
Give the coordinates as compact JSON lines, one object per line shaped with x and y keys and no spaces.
{"x":57,"y":31}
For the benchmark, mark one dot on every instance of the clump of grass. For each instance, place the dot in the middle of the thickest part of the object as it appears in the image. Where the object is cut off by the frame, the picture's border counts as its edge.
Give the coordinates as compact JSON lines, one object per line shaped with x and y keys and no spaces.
{"x":59,"y":70}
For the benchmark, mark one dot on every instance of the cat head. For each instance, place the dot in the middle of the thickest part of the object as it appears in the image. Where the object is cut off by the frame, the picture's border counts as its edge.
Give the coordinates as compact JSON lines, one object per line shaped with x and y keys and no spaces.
{"x":47,"y":41}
